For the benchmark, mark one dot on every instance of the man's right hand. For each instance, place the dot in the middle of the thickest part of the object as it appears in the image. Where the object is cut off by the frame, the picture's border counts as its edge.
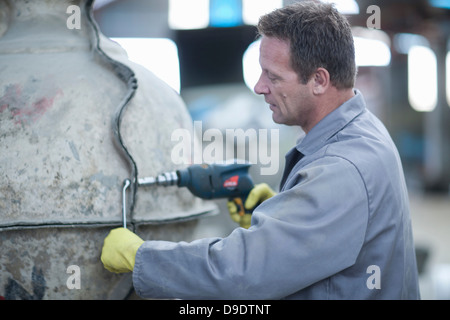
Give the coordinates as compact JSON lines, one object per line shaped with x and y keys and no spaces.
{"x":261,"y":192}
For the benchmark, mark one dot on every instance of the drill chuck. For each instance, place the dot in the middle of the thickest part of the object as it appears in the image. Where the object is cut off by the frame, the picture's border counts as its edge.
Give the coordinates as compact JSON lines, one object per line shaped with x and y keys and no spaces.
{"x":164,"y":179}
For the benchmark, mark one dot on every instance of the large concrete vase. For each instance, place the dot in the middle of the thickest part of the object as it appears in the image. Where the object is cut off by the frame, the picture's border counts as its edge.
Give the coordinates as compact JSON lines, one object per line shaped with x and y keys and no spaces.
{"x":77,"y":118}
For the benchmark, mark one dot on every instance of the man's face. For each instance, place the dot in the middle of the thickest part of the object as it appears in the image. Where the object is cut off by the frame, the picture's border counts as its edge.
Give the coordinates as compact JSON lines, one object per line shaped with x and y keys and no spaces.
{"x":288,"y":98}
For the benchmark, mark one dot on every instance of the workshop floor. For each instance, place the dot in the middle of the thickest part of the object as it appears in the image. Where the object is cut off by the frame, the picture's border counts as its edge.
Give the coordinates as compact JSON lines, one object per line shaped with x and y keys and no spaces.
{"x":430,"y":216}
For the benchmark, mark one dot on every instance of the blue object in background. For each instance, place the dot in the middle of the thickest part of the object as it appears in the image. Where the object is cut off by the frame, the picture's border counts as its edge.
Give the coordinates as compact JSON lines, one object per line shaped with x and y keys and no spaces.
{"x":225,"y":13}
{"x":445,"y":4}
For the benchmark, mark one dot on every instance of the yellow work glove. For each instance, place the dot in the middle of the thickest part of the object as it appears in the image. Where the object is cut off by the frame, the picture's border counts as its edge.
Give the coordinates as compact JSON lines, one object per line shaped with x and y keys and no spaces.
{"x":257,"y":195}
{"x":119,"y":250}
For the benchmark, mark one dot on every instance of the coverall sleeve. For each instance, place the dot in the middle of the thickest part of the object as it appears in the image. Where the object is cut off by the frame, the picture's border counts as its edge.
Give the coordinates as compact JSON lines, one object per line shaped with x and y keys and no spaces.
{"x":298,"y":237}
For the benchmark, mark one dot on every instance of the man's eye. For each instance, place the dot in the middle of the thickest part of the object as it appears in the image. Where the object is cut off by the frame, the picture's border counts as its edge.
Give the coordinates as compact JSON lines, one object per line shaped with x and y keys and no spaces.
{"x":271,"y":77}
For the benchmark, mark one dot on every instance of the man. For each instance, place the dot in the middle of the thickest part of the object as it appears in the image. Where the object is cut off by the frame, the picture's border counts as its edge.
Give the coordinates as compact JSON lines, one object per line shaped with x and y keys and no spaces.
{"x":340,"y":226}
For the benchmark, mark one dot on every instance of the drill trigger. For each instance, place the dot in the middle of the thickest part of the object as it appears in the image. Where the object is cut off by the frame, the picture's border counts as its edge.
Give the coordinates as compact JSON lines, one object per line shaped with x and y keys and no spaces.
{"x":240,"y":206}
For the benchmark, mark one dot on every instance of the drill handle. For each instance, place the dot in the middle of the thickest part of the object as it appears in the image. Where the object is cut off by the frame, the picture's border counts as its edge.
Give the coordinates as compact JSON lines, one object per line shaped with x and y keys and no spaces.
{"x":240,"y":204}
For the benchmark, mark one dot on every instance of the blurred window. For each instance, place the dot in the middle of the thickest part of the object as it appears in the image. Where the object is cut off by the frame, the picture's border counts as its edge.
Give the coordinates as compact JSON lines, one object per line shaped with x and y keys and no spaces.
{"x":158,"y":55}
{"x":371,"y":52}
{"x":188,"y":14}
{"x":250,"y":65}
{"x":253,"y":9}
{"x":422,"y":78}
{"x":447,"y":77}
{"x":345,"y":6}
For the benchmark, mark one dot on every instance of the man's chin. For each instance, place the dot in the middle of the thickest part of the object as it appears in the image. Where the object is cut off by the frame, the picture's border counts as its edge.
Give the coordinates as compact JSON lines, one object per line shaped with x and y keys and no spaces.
{"x":280,"y":120}
{"x":277,"y":118}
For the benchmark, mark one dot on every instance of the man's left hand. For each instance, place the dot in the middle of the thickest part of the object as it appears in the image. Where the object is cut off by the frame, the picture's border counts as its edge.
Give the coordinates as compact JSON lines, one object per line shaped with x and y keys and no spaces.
{"x":119,"y":250}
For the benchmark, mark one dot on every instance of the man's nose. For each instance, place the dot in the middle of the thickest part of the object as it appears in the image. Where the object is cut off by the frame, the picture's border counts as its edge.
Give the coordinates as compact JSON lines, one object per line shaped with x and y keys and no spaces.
{"x":261,"y":87}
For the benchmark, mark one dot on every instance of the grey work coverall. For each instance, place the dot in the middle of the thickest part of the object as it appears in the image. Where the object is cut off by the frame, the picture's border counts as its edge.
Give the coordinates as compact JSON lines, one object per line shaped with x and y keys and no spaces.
{"x":339,"y":228}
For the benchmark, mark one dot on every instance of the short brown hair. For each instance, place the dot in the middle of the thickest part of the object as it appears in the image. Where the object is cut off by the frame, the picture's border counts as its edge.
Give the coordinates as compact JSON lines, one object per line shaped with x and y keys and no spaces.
{"x":319,"y":36}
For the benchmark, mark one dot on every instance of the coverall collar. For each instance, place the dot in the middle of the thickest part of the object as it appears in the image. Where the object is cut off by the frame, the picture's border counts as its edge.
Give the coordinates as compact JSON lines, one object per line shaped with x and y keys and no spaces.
{"x":331,"y":124}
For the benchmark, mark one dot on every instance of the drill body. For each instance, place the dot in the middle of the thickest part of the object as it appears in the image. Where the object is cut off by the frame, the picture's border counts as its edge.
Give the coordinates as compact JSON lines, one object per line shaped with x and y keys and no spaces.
{"x":209,"y":181}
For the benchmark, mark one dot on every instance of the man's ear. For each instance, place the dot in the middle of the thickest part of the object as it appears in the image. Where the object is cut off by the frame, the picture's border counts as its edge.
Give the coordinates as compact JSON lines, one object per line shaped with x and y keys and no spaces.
{"x":321,"y":81}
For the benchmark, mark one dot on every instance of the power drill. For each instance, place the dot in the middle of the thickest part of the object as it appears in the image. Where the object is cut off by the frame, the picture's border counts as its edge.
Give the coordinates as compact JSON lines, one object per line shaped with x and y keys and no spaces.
{"x":210,"y":181}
